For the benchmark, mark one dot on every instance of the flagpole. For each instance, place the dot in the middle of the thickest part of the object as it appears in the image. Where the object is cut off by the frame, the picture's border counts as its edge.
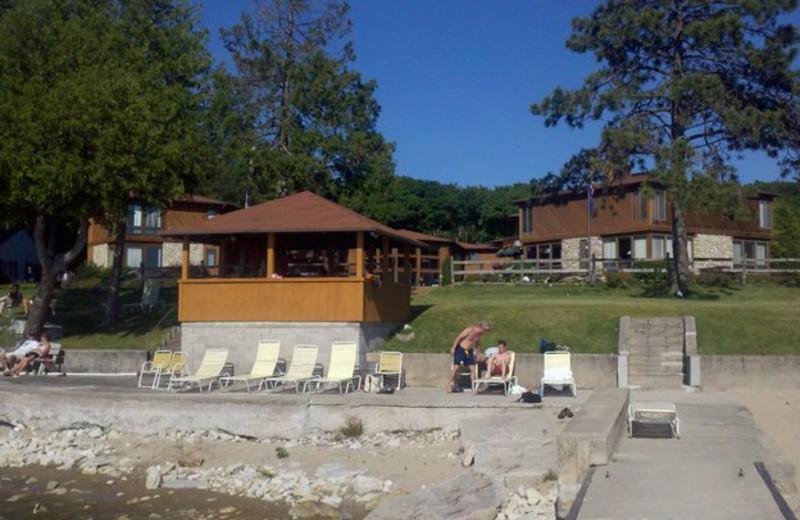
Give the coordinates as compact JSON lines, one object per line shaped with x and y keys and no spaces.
{"x":590,"y":267}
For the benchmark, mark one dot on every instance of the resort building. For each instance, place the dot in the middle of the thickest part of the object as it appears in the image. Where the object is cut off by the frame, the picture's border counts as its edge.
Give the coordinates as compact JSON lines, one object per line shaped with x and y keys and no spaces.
{"x":629,"y":223}
{"x":146,"y":248}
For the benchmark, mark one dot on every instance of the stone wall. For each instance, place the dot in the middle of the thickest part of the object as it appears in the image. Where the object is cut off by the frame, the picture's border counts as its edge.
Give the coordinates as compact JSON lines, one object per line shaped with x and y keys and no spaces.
{"x":101,"y":255}
{"x":712,"y":246}
{"x":571,"y":251}
{"x":171,"y":253}
{"x":195,"y":254}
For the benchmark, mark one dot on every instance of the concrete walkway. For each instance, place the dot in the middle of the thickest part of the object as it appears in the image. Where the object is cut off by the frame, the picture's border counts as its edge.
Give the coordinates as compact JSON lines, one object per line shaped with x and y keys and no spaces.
{"x":696,"y":476}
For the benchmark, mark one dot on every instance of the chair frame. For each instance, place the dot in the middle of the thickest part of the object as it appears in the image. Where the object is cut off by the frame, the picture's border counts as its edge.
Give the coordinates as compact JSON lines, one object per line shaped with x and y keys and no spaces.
{"x":177,"y":365}
{"x":264,"y":366}
{"x":155,"y":366}
{"x":509,"y":381}
{"x":392,"y":366}
{"x":210,"y":370}
{"x":300,"y":370}
{"x":344,"y":360}
{"x":558,"y":359}
{"x":654,"y":413}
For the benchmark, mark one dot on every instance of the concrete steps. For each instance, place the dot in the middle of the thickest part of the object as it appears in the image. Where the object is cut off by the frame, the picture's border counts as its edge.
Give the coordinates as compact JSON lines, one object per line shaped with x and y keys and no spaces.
{"x":655,"y":352}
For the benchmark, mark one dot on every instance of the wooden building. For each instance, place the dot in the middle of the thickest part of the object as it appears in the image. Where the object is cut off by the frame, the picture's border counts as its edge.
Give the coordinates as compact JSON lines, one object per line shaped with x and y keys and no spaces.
{"x":146,"y":248}
{"x":630,"y":223}
{"x":300,"y":269}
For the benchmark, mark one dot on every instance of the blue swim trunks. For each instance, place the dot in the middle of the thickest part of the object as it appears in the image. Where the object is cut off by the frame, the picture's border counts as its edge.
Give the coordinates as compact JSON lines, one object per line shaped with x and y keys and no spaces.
{"x":464,"y":357}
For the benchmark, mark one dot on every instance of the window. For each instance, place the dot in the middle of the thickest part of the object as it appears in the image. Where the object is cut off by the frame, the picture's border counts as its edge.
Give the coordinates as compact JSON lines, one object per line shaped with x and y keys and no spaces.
{"x":749,"y":253}
{"x":639,"y":206}
{"x":640,"y":247}
{"x":211,"y":213}
{"x":547,"y":256}
{"x":660,"y":206}
{"x":211,"y":257}
{"x":143,"y":220}
{"x":660,"y":246}
{"x":133,"y":257}
{"x":765,"y":214}
{"x":527,"y":219}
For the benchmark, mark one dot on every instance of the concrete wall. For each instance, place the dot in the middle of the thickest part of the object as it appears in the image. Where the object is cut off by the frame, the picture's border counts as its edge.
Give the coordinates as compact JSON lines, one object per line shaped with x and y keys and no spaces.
{"x":103,"y":361}
{"x":729,"y":372}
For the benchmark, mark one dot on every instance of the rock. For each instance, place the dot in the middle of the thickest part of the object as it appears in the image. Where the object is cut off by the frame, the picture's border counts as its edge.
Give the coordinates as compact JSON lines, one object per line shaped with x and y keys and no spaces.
{"x":153,"y":478}
{"x":184,"y":483}
{"x":15,"y":498}
{"x":363,"y":485}
{"x":314,"y":510}
{"x":468,"y":459}
{"x":51,"y":485}
{"x":39,"y":508}
{"x":446,"y":500}
{"x":228,"y":510}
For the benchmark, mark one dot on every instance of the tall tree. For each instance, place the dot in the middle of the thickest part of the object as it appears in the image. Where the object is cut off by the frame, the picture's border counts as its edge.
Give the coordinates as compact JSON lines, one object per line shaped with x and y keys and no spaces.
{"x":94,"y":97}
{"x":685,"y":86}
{"x":310,"y":119}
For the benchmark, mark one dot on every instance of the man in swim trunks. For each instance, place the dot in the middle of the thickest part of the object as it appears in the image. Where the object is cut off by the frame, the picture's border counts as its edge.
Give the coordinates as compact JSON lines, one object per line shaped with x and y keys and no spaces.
{"x":465,"y":351}
{"x":8,"y":361}
{"x":497,"y":365}
{"x":42,"y":349}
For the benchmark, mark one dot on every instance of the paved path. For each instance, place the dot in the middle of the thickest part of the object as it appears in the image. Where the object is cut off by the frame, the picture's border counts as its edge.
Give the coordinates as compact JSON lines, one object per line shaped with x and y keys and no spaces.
{"x":696,"y":476}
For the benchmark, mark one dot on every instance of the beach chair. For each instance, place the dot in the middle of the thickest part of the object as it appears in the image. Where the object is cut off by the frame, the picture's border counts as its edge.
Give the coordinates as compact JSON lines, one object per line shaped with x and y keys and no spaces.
{"x":263,"y":367}
{"x":175,"y":368}
{"x":389,"y":364}
{"x":150,"y":293}
{"x":507,"y":382}
{"x":209,"y":371}
{"x":157,"y":365}
{"x":558,"y":371}
{"x":657,"y":419}
{"x":301,"y":369}
{"x":341,"y":369}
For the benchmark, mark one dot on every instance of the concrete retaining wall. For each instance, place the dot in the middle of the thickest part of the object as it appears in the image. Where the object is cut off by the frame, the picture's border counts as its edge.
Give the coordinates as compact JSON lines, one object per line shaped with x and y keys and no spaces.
{"x":729,"y":372}
{"x":103,"y":361}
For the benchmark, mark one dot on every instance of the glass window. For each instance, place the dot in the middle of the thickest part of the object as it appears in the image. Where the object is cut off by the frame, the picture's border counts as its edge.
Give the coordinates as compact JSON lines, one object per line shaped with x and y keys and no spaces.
{"x":527,"y":219}
{"x":639,"y":206}
{"x":133,"y":257}
{"x":660,"y":206}
{"x":640,"y":247}
{"x":134,"y":216}
{"x":211,"y":213}
{"x":211,"y":257}
{"x":765,"y":214}
{"x":659,"y":247}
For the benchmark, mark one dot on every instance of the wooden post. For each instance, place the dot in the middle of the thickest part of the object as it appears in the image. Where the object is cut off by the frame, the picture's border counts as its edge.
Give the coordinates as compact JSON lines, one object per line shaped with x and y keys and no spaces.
{"x":360,"y":254}
{"x":418,"y":267}
{"x":270,"y":254}
{"x":406,"y":264}
{"x":185,"y":259}
{"x":396,"y":265}
{"x":385,"y":259}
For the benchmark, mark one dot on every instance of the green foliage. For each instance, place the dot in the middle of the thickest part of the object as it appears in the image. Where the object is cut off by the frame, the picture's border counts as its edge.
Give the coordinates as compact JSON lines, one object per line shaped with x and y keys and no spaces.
{"x":616,"y":280}
{"x":447,"y":271}
{"x":654,"y":282}
{"x":786,"y":231}
{"x":712,"y":279}
{"x":281,"y":452}
{"x":295,"y":116}
{"x":683,"y":87}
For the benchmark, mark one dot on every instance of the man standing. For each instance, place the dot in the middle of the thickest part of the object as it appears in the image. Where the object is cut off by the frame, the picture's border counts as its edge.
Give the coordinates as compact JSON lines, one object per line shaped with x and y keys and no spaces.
{"x":465,"y":351}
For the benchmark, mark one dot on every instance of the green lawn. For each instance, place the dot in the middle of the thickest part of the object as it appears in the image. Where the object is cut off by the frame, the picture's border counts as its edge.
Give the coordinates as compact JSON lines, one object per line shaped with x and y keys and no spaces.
{"x":79,"y":310}
{"x":756,"y":319}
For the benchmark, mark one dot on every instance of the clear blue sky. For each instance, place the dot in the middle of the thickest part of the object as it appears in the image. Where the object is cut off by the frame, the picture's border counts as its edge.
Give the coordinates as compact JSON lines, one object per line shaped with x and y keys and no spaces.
{"x":456,"y":79}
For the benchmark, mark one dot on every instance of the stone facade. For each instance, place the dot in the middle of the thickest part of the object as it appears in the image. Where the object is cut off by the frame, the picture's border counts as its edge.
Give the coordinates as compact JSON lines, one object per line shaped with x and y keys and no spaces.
{"x":712,"y":246}
{"x":195,"y":254}
{"x":571,"y":252}
{"x":241,"y":339}
{"x":101,"y":255}
{"x":171,"y":254}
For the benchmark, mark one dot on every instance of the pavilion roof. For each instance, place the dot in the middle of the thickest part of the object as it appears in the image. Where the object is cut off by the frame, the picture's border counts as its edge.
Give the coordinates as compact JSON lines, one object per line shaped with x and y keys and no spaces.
{"x":303,"y":212}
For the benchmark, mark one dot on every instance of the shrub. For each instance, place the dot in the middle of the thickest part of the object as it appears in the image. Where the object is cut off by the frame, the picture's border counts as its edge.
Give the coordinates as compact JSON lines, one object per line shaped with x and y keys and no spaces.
{"x":615,"y":281}
{"x":281,"y":452}
{"x":447,"y":272}
{"x":714,"y":279}
{"x":353,"y":427}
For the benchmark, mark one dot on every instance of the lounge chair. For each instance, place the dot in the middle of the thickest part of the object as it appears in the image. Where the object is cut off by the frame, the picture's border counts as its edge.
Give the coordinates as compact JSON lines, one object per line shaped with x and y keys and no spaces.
{"x":157,"y":365}
{"x":150,"y":292}
{"x":341,"y":369}
{"x":209,"y":371}
{"x":263,"y":367}
{"x":301,"y":369}
{"x":653,"y":420}
{"x":175,"y":368}
{"x":390,"y":364}
{"x":507,"y":382}
{"x":558,"y":371}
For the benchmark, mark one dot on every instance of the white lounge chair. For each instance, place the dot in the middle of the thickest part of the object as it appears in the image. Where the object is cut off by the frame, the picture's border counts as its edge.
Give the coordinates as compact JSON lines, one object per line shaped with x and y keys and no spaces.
{"x":558,"y":371}
{"x":263,"y":367}
{"x":651,"y":419}
{"x":301,"y":369}
{"x":157,"y":365}
{"x":341,"y":369}
{"x":507,"y":381}
{"x":209,"y":371}
{"x":390,"y":364}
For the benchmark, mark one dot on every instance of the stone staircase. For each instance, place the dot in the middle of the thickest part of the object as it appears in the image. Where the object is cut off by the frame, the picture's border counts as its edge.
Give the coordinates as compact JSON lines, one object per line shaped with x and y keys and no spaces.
{"x":655,"y":352}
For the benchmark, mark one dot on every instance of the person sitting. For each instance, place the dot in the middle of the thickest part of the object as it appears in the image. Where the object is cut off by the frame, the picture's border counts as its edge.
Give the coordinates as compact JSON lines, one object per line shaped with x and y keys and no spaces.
{"x":9,"y":361}
{"x":498,"y":363}
{"x":41,"y":350}
{"x":14,"y":298}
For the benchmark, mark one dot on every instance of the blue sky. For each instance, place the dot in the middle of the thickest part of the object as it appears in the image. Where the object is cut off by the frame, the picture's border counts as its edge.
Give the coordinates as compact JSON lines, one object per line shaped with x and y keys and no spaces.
{"x":456,"y":79}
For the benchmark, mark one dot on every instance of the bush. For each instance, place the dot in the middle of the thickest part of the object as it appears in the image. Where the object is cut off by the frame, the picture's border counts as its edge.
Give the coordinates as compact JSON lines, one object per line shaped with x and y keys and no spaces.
{"x":281,"y":452}
{"x":447,"y":272}
{"x":615,"y":281}
{"x":353,"y":427}
{"x":713,"y":279}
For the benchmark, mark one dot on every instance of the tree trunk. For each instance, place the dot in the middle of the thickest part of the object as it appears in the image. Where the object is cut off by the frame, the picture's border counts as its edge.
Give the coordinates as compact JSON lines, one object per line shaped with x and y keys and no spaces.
{"x":680,"y":274}
{"x":46,"y":233}
{"x":112,"y":296}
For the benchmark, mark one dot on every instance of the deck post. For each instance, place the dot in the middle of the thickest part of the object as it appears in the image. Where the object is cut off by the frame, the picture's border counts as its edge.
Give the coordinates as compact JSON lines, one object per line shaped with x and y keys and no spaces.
{"x":270,"y":254}
{"x":385,"y":259}
{"x":359,"y":254}
{"x":418,"y":265}
{"x":406,"y":264}
{"x":185,"y":259}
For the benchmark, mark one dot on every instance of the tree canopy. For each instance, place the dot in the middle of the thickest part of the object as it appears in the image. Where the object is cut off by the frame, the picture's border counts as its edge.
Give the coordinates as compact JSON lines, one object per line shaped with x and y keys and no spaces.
{"x":684,"y":87}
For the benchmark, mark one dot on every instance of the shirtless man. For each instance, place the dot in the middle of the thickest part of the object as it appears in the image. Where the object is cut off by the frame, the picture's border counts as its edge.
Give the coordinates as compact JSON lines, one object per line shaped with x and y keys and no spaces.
{"x":464,"y":351}
{"x":41,"y":350}
{"x":497,"y":365}
{"x":8,"y":361}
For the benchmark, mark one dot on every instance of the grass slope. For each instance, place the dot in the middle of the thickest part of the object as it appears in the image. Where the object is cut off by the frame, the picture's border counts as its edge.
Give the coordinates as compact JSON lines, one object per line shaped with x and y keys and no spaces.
{"x":755,"y":319}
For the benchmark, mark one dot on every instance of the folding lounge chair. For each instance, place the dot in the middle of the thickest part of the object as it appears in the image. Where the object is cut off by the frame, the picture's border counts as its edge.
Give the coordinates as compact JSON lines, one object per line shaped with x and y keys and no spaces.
{"x":341,"y":369}
{"x":558,"y":370}
{"x":150,"y":293}
{"x":263,"y":367}
{"x":175,"y":368}
{"x":301,"y":369}
{"x":507,"y":381}
{"x":390,"y":364}
{"x":653,"y":420}
{"x":156,"y":366}
{"x":209,"y":371}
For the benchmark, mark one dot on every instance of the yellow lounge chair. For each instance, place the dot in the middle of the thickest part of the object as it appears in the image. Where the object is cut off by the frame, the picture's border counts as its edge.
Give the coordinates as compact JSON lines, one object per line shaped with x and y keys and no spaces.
{"x":390,"y":364}
{"x":209,"y":371}
{"x":301,"y":369}
{"x":157,"y":365}
{"x":263,"y":367}
{"x":341,"y":369}
{"x":558,"y":371}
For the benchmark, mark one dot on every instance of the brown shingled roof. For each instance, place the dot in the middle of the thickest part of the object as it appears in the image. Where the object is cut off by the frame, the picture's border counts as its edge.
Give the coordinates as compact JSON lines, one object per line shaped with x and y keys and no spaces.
{"x":422,"y":236}
{"x":303,"y":212}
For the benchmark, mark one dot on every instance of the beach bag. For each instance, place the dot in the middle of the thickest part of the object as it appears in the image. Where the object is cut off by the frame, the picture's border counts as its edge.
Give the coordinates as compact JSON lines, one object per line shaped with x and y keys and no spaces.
{"x":372,"y":384}
{"x":530,"y":397}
